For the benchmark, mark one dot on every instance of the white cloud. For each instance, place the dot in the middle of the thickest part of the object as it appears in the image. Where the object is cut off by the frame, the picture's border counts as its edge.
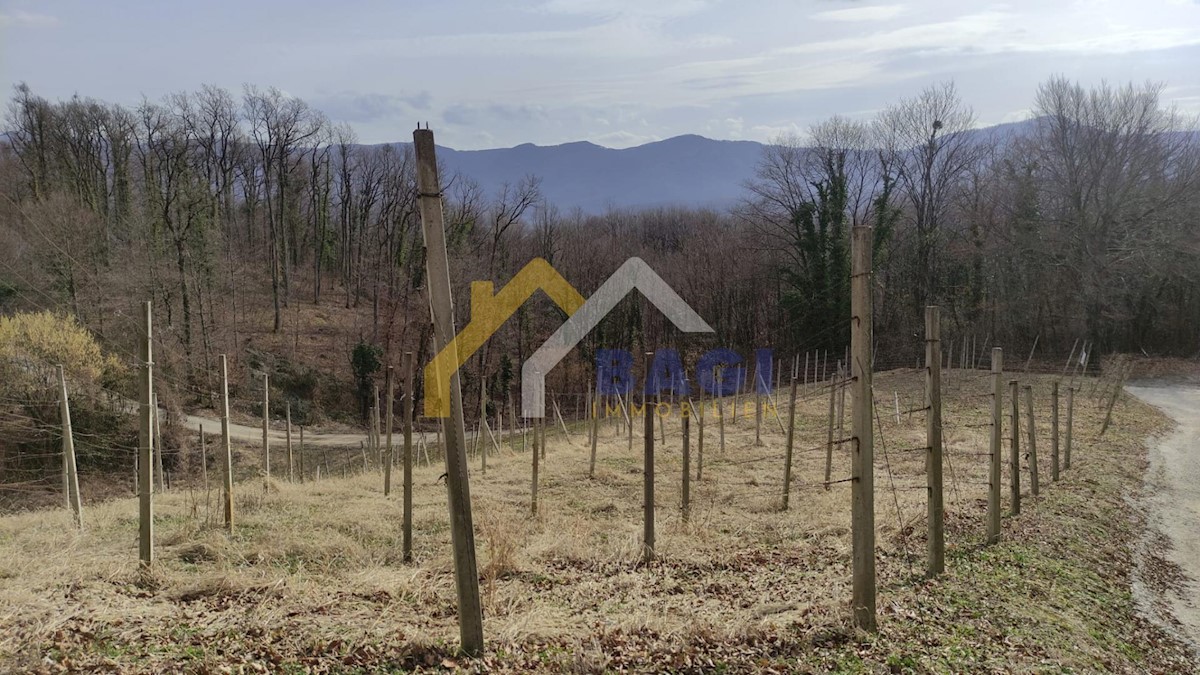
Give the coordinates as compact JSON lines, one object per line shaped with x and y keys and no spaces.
{"x":998,"y":31}
{"x":868,"y":13}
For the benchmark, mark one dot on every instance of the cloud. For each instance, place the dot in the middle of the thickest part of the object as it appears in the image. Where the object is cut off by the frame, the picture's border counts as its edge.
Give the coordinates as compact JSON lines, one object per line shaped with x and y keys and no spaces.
{"x":868,"y":13}
{"x":350,"y":106}
{"x":1002,"y":31}
{"x":23,"y":18}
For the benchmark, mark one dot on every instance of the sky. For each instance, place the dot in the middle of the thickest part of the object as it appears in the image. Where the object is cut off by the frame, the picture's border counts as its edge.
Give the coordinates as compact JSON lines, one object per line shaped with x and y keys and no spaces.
{"x":498,"y":73}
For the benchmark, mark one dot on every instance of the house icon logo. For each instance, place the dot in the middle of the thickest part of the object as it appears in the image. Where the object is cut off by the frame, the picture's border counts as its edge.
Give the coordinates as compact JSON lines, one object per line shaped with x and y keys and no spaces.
{"x":490,"y":310}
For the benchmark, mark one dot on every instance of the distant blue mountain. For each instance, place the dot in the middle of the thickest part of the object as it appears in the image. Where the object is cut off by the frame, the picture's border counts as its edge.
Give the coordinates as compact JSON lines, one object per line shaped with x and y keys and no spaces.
{"x":685,"y":170}
{"x":682,"y":171}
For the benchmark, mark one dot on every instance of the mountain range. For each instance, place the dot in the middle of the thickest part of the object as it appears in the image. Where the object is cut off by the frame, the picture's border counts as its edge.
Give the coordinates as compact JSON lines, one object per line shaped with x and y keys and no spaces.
{"x":685,"y":170}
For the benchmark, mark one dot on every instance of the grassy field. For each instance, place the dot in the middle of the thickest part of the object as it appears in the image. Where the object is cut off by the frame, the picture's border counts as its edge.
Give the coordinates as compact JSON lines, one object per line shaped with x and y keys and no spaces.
{"x":312,"y":580}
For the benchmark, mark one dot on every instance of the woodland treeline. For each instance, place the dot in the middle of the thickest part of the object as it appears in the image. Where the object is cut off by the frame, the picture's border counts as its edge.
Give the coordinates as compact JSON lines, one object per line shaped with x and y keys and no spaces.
{"x":257,"y":227}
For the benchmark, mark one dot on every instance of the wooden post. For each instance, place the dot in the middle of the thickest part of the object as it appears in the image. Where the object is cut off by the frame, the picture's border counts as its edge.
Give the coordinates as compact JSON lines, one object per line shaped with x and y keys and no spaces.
{"x":593,"y":405}
{"x":288,"y":441}
{"x":1070,"y":425}
{"x":685,"y":421}
{"x":993,"y":522}
{"x":1029,"y":360}
{"x":300,"y":454}
{"x":204,"y":460}
{"x":863,"y":470}
{"x":1031,"y":424}
{"x":721,"y":411}
{"x":226,"y":446}
{"x":462,"y":532}
{"x":479,"y":428}
{"x":158,"y":444}
{"x":1120,"y":384}
{"x":828,"y":435}
{"x":1014,"y":457}
{"x":408,"y":454}
{"x":787,"y":454}
{"x":390,"y":386}
{"x":1070,"y":357}
{"x":533,"y":490}
{"x":935,"y":509}
{"x":737,"y":395}
{"x":512,"y":421}
{"x":68,"y":444}
{"x":757,"y":408}
{"x":648,"y":478}
{"x":146,"y":443}
{"x":266,"y":425}
{"x":700,"y":437}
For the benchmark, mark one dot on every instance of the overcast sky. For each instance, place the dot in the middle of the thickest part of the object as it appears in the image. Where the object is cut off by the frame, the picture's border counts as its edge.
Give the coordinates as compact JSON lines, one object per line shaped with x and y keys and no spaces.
{"x":494,"y":73}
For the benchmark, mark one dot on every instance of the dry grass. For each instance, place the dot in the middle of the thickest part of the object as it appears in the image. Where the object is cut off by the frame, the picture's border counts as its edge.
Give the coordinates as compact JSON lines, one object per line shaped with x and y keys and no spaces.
{"x":313,"y":577}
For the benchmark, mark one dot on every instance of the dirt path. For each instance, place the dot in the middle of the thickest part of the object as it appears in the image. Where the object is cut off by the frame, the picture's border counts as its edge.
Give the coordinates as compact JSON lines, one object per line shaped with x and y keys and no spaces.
{"x":241,"y":432}
{"x":1173,"y":492}
{"x":253,"y":434}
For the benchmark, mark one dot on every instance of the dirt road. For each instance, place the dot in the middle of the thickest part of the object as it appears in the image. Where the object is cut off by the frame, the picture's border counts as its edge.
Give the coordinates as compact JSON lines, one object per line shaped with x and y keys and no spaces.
{"x":241,"y":432}
{"x":1172,"y":492}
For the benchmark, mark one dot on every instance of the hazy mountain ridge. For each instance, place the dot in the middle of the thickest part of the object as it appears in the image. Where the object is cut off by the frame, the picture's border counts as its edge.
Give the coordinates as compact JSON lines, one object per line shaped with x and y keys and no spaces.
{"x":686,"y":170}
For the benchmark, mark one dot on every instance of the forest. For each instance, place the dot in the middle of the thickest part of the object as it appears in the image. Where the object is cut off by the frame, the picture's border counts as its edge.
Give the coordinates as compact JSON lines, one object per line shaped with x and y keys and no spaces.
{"x":262,"y":230}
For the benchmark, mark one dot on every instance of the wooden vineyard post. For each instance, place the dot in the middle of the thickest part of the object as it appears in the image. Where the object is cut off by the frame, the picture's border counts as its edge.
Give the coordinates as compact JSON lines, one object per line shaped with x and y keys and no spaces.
{"x":441,"y":306}
{"x":1054,"y":464}
{"x":757,"y":407}
{"x":1067,"y":439}
{"x":226,"y":447}
{"x":1014,"y":456}
{"x":390,"y":386}
{"x":533,"y":490}
{"x":787,"y":455}
{"x":933,"y":438}
{"x":408,"y":454}
{"x":300,"y":454}
{"x":203,"y":458}
{"x":685,"y":421}
{"x":648,"y":479}
{"x":828,"y":434}
{"x":993,"y":521}
{"x":862,"y":498}
{"x":158,"y":444}
{"x":146,"y":443}
{"x":266,"y":419}
{"x":288,"y":441}
{"x":721,"y":410}
{"x":68,"y":445}
{"x":700,"y":436}
{"x":593,"y":405}
{"x":1120,"y":384}
{"x":737,"y":394}
{"x":1031,"y":425}
{"x":1070,"y":357}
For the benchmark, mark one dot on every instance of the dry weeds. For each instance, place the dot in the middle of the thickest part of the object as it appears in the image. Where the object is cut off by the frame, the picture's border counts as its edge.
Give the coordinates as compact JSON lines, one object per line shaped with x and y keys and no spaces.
{"x":313,"y":580}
